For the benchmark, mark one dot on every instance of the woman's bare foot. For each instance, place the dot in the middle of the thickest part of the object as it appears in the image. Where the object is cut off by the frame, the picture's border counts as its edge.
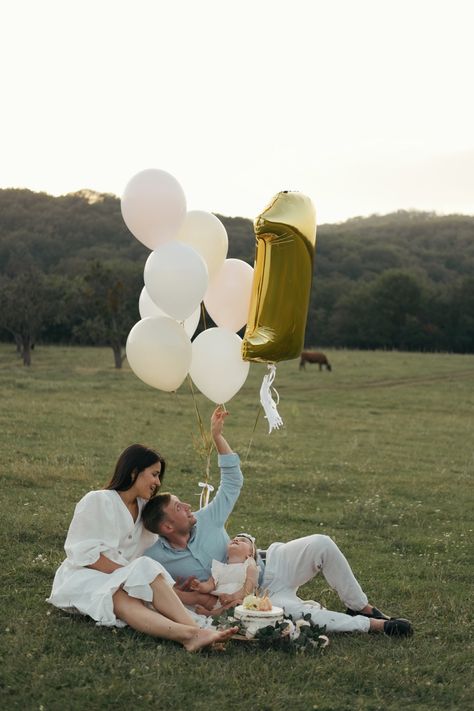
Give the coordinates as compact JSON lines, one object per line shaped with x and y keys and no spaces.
{"x":205,"y":637}
{"x":201,"y":610}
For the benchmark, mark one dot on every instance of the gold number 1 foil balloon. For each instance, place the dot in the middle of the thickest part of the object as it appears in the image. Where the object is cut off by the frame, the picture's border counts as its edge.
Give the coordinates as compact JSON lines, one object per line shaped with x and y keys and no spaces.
{"x":281,"y":289}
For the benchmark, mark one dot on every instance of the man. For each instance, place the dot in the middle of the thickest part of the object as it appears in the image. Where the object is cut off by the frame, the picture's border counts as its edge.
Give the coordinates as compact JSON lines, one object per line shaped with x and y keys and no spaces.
{"x":190,"y":540}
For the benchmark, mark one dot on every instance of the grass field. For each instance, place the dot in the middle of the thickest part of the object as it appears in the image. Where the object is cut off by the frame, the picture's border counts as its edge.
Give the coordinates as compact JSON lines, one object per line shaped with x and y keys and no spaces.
{"x":378,"y":454}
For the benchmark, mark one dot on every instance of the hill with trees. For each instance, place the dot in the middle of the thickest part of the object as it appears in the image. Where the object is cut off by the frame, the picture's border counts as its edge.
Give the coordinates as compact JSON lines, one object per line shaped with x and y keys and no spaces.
{"x":71,"y":272}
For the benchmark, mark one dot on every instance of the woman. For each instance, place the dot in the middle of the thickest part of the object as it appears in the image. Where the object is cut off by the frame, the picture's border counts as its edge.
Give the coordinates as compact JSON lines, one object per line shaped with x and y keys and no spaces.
{"x":106,"y":577}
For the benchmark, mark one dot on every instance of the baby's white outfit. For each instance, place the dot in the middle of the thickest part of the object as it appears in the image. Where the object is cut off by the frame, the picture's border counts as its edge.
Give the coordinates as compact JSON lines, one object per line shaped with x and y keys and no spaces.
{"x":229,"y":577}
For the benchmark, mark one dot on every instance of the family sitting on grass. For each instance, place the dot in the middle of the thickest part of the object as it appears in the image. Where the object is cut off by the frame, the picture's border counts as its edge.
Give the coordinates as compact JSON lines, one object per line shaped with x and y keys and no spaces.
{"x":120,"y":572}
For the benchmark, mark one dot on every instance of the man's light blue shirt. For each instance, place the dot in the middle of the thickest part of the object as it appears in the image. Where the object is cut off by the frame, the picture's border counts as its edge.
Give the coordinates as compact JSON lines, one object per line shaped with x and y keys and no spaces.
{"x":208,"y":539}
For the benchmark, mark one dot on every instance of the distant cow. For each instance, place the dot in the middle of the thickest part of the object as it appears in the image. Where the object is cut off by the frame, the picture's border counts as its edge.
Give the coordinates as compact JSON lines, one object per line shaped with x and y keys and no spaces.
{"x":314,"y":357}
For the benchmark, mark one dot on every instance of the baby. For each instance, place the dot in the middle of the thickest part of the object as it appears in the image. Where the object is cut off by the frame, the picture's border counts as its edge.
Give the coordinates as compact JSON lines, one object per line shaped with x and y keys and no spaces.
{"x":231,"y":581}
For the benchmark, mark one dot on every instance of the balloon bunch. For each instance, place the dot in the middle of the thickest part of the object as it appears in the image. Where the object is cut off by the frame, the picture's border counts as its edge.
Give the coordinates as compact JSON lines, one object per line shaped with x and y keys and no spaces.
{"x":187,"y":265}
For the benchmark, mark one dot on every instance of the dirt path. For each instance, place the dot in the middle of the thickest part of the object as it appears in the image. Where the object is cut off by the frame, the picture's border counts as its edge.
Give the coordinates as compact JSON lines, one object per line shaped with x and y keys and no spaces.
{"x":388,"y":383}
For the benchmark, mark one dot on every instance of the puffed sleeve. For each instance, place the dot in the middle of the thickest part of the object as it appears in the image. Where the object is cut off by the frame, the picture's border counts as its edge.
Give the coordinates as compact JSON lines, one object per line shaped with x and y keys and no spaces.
{"x":93,"y":531}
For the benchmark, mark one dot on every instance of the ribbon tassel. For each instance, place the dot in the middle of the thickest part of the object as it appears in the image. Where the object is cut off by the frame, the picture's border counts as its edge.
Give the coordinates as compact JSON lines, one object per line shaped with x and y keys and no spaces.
{"x":207,"y":489}
{"x":266,"y":399}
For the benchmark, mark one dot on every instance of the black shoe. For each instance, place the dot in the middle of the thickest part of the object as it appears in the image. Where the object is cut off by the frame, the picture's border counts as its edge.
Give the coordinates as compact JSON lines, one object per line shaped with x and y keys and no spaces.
{"x":375,"y":614}
{"x":398,"y":627}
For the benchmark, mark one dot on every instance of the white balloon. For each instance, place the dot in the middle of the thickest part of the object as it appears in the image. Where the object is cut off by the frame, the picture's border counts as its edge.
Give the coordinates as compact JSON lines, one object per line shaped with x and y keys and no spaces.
{"x":176,"y":279}
{"x":153,"y":207}
{"x":217,"y":368}
{"x":148,"y":309}
{"x":227,"y":298}
{"x":207,"y":235}
{"x":159,"y":352}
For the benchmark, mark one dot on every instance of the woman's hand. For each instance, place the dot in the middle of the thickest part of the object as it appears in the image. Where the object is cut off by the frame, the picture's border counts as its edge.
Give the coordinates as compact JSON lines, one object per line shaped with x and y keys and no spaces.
{"x":104,"y":565}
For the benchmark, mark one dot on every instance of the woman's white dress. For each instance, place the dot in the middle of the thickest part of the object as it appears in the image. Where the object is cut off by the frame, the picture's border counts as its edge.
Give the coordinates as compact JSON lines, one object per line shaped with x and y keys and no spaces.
{"x":103,"y":524}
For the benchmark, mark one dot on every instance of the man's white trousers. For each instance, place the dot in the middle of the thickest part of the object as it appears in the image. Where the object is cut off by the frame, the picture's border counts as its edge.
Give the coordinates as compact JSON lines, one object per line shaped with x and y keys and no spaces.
{"x":290,"y":565}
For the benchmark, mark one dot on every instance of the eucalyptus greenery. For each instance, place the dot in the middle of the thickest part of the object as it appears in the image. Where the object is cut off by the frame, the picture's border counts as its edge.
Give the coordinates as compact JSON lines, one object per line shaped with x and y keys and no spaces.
{"x":288,"y":636}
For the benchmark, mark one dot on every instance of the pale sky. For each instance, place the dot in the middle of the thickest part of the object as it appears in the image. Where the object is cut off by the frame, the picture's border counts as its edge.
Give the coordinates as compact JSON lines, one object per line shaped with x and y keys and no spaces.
{"x":367,"y":106}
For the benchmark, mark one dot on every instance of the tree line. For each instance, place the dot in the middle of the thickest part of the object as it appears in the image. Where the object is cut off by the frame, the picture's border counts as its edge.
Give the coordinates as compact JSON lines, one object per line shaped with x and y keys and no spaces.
{"x":70,"y":272}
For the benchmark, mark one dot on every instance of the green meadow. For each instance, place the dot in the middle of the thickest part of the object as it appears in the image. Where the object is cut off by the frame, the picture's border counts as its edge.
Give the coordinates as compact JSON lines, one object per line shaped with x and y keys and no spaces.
{"x":377,"y":453}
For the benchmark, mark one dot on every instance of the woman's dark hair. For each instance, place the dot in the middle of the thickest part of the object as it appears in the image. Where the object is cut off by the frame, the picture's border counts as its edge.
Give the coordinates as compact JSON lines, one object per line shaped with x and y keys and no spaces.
{"x":131,"y":462}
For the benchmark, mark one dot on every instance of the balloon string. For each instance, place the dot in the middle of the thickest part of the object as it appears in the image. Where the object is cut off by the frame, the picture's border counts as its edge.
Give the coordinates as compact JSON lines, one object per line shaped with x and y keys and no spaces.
{"x":203,"y":314}
{"x":253,"y":432}
{"x":198,"y":414}
{"x":208,"y":446}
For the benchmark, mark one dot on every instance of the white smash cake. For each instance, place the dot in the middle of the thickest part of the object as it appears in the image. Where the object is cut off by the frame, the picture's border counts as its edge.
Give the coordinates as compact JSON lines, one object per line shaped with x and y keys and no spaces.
{"x":256,"y":612}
